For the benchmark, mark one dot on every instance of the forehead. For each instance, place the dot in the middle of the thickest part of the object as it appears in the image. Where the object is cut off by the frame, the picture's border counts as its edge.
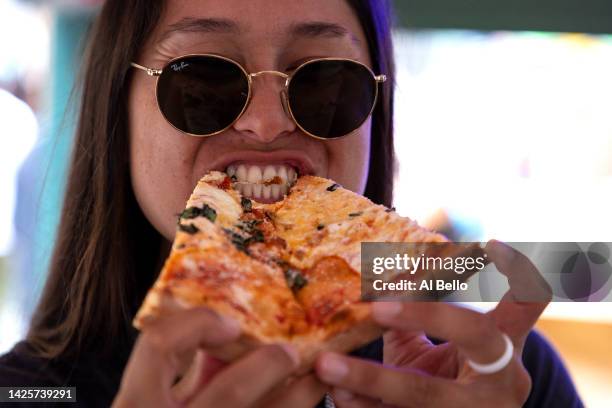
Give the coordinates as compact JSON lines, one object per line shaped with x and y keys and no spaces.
{"x":258,"y":24}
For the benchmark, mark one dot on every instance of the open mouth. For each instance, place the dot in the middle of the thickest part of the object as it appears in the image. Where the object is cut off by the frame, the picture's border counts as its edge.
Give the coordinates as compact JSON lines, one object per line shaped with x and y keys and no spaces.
{"x":264,"y":183}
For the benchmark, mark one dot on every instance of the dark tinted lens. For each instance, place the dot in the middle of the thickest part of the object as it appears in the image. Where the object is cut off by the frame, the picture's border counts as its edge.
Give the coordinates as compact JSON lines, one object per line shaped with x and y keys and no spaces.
{"x":201,"y":94}
{"x":330,"y":98}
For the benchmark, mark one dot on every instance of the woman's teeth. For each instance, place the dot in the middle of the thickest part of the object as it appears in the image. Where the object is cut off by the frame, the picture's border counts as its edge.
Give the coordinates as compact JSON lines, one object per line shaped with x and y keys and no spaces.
{"x":270,"y":182}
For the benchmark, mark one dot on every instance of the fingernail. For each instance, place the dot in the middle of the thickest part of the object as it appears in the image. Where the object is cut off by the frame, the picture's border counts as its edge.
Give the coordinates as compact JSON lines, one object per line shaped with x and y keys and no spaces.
{"x":292,"y":353}
{"x":333,"y":369}
{"x":230,"y":325}
{"x":385,"y":311}
{"x":342,"y":395}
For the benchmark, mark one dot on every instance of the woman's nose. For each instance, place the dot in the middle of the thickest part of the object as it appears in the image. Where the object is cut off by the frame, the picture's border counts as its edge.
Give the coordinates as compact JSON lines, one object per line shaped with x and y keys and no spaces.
{"x":266,"y":118}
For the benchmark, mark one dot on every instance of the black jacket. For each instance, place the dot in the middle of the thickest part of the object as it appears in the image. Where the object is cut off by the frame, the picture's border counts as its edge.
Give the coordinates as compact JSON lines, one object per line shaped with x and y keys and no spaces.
{"x":97,"y":380}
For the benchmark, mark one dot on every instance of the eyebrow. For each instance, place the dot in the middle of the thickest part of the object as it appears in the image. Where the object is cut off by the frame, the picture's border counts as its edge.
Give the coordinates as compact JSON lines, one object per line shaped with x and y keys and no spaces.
{"x":202,"y":25}
{"x":309,"y":29}
{"x":314,"y":29}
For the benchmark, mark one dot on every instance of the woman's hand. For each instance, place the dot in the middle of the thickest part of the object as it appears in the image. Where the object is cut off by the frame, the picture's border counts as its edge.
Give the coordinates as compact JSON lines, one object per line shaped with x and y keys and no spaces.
{"x":417,"y":373}
{"x":159,"y":353}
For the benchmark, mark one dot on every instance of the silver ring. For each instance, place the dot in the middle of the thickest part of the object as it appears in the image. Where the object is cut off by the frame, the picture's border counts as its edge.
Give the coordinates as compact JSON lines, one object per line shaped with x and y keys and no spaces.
{"x":498,"y":364}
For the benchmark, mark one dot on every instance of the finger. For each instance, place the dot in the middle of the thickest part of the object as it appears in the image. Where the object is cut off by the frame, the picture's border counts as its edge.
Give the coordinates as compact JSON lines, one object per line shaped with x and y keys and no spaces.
{"x":474,"y":333}
{"x":403,"y":388}
{"x":244,"y":382}
{"x":345,"y":399}
{"x":529,"y":293}
{"x":200,"y":372}
{"x":404,"y":347}
{"x":304,"y":392}
{"x":154,"y":361}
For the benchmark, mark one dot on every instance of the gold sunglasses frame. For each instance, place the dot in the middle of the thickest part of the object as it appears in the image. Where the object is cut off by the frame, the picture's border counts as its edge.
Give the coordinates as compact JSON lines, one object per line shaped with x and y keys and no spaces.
{"x":284,"y":92}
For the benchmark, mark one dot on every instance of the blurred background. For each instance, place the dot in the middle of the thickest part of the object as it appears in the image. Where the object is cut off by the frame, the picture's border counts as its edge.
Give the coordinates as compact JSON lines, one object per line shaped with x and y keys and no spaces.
{"x":503,"y":130}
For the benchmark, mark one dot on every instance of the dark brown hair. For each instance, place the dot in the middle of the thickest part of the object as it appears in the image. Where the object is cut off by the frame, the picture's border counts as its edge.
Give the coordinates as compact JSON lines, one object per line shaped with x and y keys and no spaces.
{"x":102,"y":265}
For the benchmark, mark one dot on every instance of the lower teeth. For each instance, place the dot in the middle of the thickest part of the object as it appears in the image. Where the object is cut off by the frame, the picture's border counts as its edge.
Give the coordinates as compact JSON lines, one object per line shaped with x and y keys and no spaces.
{"x":260,"y":191}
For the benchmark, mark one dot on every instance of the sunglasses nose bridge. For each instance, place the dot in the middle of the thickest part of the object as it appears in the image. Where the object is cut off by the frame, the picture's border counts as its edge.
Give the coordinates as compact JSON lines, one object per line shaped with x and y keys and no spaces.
{"x":283,"y":93}
{"x":277,"y":73}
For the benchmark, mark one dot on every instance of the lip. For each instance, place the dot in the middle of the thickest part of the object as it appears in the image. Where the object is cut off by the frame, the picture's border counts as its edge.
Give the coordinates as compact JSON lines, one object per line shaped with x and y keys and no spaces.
{"x":296,"y":159}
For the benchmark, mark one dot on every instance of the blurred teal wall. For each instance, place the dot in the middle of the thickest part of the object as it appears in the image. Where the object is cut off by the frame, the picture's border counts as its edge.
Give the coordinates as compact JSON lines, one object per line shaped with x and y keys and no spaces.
{"x":67,"y":41}
{"x":585,"y":16}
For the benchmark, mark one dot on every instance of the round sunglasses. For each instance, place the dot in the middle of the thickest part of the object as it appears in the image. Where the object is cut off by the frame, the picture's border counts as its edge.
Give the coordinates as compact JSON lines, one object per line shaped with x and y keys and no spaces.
{"x":204,"y":94}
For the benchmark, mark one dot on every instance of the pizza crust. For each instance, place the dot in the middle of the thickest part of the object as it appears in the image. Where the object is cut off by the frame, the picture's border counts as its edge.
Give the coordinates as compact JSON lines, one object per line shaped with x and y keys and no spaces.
{"x":358,"y":329}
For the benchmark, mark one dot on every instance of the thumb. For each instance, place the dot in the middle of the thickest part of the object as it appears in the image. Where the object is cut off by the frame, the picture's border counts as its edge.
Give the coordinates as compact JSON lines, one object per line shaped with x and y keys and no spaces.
{"x":202,"y":369}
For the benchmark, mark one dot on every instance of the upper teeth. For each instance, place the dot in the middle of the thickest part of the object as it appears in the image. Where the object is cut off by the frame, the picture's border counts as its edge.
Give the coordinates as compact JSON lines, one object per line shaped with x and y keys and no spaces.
{"x":251,"y":180}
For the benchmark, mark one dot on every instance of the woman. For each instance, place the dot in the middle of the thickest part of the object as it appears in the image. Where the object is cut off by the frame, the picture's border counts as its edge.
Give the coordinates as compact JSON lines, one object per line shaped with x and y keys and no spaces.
{"x":133,"y":166}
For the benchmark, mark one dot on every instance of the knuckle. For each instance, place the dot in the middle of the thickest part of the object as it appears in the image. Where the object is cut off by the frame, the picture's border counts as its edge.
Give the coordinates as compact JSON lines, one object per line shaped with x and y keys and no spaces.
{"x":511,"y":392}
{"x":157,"y":340}
{"x":277,"y":357}
{"x":522,"y":384}
{"x":485,"y":326}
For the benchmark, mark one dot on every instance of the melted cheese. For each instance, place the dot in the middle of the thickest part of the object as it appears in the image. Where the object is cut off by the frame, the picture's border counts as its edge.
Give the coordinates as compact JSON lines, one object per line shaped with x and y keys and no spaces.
{"x":225,"y":202}
{"x":317,"y":223}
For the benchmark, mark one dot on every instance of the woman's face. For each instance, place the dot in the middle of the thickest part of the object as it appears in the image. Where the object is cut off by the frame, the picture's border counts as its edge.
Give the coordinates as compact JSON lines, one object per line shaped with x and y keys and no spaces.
{"x":261,"y":35}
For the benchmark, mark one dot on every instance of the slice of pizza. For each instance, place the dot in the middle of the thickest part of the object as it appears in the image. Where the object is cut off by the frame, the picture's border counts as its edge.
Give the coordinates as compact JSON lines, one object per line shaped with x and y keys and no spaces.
{"x":288,"y":272}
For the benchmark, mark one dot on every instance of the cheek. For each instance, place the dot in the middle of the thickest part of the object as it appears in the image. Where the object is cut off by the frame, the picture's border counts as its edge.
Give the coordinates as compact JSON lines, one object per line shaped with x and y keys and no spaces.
{"x":349,"y":159}
{"x":159,"y":163}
